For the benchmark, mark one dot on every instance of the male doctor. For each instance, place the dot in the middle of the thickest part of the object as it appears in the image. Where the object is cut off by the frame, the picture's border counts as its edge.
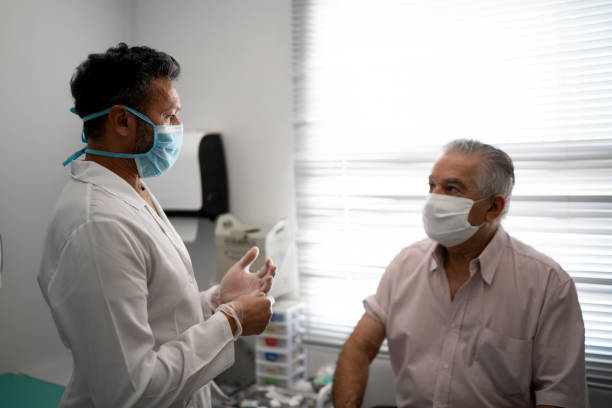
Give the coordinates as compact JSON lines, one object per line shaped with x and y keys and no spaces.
{"x":116,"y":275}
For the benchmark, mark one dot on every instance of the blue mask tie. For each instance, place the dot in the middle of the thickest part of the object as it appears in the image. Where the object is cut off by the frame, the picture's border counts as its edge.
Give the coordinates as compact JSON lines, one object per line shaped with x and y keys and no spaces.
{"x":167,"y":143}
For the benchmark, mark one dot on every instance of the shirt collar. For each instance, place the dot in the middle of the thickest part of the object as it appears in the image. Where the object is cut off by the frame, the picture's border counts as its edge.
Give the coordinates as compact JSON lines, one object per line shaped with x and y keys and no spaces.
{"x":486,"y":262}
{"x":489,"y":258}
{"x":94,"y":173}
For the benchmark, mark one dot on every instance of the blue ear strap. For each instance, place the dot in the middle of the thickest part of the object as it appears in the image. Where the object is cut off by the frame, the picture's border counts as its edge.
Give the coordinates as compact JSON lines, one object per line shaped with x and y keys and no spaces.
{"x":73,"y":156}
{"x":79,"y":152}
{"x":92,"y":115}
{"x":89,"y":117}
{"x":95,"y":115}
{"x":105,"y":111}
{"x":140,"y":115}
{"x":110,"y":154}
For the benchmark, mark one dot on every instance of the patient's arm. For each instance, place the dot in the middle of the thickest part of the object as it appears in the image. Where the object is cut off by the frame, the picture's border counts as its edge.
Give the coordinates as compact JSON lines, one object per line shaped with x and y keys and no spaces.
{"x":353,"y":365}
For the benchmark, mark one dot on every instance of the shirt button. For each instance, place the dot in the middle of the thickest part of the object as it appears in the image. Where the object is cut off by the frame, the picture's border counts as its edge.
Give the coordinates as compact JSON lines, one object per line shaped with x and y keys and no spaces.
{"x":445,"y":365}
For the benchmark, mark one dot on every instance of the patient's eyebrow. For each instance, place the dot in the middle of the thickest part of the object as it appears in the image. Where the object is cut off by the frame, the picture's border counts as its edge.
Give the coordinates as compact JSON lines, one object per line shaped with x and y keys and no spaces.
{"x":455,"y":181}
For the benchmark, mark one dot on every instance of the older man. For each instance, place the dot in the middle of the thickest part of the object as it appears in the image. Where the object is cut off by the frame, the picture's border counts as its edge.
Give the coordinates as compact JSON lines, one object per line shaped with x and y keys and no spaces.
{"x":472,"y":316}
{"x":116,"y":275}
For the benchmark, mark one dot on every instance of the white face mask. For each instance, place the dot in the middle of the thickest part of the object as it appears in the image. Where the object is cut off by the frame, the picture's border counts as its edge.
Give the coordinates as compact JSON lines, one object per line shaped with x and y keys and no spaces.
{"x":445,"y":219}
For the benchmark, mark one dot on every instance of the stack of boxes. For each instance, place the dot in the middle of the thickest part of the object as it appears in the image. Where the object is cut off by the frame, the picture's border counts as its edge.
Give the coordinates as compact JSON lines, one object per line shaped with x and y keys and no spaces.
{"x":280,"y":357}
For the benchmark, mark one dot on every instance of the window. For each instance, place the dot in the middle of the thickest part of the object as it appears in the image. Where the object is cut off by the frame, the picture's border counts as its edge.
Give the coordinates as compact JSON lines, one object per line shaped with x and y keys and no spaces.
{"x":381,"y":86}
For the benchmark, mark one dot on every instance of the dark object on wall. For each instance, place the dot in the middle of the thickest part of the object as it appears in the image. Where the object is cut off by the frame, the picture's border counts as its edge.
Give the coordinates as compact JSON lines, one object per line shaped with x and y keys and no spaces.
{"x":213,"y":176}
{"x":215,"y":197}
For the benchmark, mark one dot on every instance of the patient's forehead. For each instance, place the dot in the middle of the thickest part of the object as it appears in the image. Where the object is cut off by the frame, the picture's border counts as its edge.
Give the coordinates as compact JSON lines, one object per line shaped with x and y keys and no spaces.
{"x":457,"y":166}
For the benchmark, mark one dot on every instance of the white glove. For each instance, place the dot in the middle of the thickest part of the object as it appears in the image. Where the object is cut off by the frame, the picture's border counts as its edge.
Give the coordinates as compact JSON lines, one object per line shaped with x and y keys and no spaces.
{"x":238,"y":281}
{"x":251,"y":313}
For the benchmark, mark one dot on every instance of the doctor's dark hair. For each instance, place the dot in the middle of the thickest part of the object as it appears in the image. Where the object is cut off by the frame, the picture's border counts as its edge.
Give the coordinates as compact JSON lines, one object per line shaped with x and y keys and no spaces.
{"x":496,"y":175}
{"x":120,"y":76}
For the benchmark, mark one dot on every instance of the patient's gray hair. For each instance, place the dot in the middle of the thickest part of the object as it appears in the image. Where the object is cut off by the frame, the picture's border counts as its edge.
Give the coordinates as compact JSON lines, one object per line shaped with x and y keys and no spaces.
{"x":496,"y":175}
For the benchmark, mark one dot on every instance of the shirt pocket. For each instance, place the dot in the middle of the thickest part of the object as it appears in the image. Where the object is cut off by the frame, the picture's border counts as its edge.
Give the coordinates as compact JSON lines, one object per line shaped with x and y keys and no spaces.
{"x":503,"y":364}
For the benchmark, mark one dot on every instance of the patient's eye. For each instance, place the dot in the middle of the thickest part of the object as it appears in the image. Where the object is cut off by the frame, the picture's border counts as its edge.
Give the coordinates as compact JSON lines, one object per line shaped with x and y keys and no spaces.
{"x":452,"y":189}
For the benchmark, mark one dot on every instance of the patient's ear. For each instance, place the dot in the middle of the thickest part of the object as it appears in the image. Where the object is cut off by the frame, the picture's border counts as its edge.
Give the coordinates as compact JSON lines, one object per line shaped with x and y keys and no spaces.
{"x":498,"y":203}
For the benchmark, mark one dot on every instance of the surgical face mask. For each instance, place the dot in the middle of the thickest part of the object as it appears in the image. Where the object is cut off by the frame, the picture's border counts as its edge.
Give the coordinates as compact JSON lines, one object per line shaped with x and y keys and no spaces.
{"x":445,"y":219}
{"x":167,"y":142}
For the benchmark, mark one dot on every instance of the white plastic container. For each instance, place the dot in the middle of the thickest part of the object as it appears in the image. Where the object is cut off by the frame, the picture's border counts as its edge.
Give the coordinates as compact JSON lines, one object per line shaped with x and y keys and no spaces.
{"x":280,"y":355}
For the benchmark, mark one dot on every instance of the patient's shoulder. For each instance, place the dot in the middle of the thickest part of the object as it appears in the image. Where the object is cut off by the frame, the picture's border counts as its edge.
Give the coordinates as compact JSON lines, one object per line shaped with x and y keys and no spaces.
{"x":412,"y":257}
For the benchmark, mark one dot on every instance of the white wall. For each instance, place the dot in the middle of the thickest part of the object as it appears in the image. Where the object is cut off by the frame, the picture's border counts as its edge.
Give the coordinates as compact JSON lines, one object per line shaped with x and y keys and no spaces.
{"x":236,"y":78}
{"x":41,"y":42}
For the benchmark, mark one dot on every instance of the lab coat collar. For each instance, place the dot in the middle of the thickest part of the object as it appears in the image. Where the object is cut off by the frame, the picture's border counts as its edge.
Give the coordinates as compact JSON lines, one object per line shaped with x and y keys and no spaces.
{"x":164,"y":223}
{"x":94,"y":173}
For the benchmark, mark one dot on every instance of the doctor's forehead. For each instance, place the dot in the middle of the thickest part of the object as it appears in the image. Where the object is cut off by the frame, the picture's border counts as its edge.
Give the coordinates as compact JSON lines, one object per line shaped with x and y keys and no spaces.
{"x":163,"y":92}
{"x":457,"y":166}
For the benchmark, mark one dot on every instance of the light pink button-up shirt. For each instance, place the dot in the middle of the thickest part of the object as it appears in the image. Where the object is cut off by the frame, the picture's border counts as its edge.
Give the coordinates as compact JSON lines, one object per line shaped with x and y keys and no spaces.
{"x":512,"y":337}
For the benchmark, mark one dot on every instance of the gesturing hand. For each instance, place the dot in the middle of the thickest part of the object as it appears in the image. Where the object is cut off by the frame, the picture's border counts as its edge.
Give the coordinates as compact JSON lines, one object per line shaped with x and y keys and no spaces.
{"x":238,"y":281}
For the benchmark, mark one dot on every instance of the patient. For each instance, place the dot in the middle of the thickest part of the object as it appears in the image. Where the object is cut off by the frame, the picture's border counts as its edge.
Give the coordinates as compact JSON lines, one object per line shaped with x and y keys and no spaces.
{"x":472,"y":316}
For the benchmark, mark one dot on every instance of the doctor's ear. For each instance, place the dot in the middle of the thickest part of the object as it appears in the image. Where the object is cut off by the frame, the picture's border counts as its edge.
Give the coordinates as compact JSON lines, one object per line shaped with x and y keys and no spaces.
{"x":498,"y":203}
{"x":120,"y":120}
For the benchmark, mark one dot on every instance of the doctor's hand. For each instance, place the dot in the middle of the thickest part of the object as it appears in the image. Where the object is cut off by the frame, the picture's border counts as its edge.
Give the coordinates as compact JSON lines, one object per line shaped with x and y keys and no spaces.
{"x":238,"y":281}
{"x":253,"y":311}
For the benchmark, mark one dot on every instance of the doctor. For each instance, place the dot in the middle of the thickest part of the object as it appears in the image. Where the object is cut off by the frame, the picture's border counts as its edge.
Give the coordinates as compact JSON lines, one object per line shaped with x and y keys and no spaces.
{"x":116,"y":275}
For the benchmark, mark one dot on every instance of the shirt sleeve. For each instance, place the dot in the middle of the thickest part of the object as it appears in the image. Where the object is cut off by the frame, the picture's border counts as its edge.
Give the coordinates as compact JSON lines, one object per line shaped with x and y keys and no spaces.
{"x":377,"y":305}
{"x":558,"y":357}
{"x":99,"y":302}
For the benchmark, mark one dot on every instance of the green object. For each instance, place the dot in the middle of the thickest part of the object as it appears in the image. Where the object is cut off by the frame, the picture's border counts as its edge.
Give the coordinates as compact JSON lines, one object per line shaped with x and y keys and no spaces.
{"x":20,"y":391}
{"x":270,"y":381}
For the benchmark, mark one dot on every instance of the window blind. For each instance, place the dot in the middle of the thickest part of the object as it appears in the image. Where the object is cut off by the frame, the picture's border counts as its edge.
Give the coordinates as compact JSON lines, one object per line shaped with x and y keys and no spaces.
{"x":379,"y":87}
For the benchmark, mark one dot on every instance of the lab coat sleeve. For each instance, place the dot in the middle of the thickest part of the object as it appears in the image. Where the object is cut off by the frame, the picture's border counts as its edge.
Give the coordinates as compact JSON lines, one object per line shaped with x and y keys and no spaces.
{"x":210,"y":299}
{"x":99,"y":300}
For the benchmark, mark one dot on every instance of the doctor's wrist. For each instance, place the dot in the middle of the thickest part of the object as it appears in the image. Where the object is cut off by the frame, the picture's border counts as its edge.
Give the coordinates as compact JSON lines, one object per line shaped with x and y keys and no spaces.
{"x":233,"y":314}
{"x":231,"y":322}
{"x":215,"y":297}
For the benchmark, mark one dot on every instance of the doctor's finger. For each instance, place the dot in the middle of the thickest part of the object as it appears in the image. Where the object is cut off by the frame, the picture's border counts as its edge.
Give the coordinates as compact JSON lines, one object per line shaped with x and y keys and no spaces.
{"x":266,"y":284}
{"x":264,"y":268}
{"x":271,"y":271}
{"x":249,"y":257}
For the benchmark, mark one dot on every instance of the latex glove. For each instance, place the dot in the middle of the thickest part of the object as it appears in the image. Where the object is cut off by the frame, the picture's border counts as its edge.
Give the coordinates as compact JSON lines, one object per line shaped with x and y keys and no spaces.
{"x":251,"y":313}
{"x":239,"y":281}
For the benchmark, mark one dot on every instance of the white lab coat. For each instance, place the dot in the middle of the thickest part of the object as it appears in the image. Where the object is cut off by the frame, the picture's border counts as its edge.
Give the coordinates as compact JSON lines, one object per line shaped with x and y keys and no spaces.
{"x":121,"y":289}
